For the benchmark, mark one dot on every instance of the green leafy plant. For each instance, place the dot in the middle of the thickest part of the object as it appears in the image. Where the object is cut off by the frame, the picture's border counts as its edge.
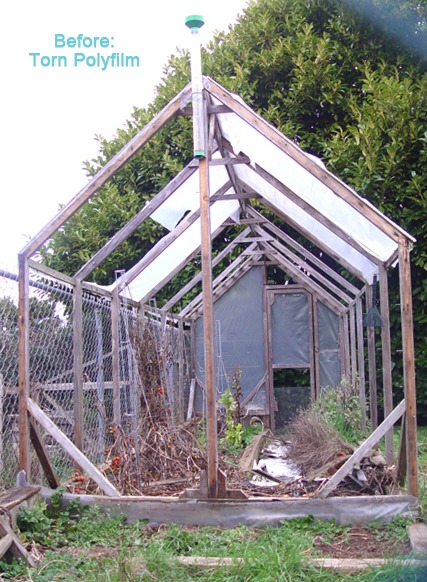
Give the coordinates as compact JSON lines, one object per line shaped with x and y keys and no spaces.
{"x":233,"y":430}
{"x":340,"y":406}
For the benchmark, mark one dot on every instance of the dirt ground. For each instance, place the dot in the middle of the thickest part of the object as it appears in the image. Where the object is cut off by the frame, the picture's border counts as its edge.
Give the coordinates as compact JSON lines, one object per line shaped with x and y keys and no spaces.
{"x":362,"y":542}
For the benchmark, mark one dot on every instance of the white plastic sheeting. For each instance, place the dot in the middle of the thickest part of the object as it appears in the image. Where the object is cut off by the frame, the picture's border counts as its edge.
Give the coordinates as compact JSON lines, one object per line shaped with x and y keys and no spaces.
{"x":178,"y":251}
{"x":362,"y":244}
{"x":187,"y":196}
{"x":309,"y":188}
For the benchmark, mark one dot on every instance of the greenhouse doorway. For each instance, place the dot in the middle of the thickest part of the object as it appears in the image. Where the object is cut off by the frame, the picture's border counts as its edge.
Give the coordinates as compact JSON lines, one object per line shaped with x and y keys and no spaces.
{"x":291,"y":359}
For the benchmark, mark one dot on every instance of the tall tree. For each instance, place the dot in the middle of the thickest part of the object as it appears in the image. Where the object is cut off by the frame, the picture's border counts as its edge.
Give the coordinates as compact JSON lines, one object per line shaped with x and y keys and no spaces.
{"x":346,"y":80}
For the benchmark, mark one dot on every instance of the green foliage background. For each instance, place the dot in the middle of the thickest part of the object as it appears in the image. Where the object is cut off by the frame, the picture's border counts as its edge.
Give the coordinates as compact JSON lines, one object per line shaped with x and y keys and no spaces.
{"x":347,"y":81}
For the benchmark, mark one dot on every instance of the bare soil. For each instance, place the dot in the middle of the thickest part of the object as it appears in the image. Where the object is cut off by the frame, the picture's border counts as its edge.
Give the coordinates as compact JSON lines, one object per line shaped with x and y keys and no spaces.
{"x":362,"y":542}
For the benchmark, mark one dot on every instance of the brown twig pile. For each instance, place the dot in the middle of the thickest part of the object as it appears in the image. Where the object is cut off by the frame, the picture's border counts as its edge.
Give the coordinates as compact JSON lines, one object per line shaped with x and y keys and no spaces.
{"x":313,"y":441}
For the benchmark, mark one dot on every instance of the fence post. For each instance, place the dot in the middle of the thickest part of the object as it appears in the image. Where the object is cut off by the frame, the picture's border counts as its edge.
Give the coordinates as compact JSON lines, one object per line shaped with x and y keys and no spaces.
{"x":100,"y":383}
{"x":115,"y":346}
{"x":78,"y":364}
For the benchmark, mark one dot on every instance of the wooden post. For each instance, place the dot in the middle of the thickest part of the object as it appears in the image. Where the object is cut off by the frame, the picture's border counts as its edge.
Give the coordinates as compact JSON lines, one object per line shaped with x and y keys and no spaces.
{"x":208,"y":319}
{"x":115,"y":348}
{"x":24,"y":365}
{"x":346,"y":338}
{"x":408,"y":365}
{"x":361,"y":360}
{"x":181,"y":359}
{"x":78,"y":364}
{"x":372,"y":368}
{"x":100,"y":383}
{"x":386,"y":360}
{"x":353,"y":350}
{"x":316,"y":349}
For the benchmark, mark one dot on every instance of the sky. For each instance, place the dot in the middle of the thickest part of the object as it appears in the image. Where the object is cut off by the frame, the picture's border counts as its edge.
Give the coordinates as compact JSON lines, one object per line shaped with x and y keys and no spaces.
{"x":60,"y":89}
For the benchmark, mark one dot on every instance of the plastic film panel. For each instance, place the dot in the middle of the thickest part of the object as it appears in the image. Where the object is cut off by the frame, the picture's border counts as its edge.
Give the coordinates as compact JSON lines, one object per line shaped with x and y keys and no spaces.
{"x":239,"y":336}
{"x":290,"y":330}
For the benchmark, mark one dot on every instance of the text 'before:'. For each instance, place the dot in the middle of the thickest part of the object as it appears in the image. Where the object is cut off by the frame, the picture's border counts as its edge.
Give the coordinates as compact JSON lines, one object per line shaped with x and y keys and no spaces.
{"x":100,"y":60}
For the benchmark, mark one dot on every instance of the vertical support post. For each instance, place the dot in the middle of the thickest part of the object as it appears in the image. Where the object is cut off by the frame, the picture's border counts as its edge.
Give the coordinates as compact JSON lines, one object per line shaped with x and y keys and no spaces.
{"x":346,"y":344}
{"x":180,"y":395}
{"x":100,"y":383}
{"x":386,"y":361}
{"x":408,"y":365}
{"x":316,"y":349}
{"x":24,"y":365}
{"x":361,"y":360}
{"x":115,"y":348}
{"x":78,"y":363}
{"x":353,"y":351}
{"x":372,"y":368}
{"x":208,"y":320}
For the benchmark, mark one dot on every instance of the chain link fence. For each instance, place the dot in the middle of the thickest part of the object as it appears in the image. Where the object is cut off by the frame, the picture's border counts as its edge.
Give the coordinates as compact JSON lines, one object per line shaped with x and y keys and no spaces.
{"x":52,"y":371}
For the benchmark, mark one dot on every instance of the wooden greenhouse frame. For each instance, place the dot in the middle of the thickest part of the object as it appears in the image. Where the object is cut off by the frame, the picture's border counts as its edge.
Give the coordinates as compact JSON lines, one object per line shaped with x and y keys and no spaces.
{"x":242,"y":187}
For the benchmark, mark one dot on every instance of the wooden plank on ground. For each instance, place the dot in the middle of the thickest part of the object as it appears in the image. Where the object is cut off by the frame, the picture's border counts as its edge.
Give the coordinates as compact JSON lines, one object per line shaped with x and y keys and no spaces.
{"x":252,"y":451}
{"x":358,"y":455}
{"x":5,"y":544}
{"x":350,"y":565}
{"x":15,"y":547}
{"x":16,"y":495}
{"x":203,"y":562}
{"x":71,"y":449}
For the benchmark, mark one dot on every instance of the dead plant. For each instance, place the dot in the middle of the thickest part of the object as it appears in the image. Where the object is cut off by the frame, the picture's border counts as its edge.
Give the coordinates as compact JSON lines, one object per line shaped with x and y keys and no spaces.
{"x":314,"y":442}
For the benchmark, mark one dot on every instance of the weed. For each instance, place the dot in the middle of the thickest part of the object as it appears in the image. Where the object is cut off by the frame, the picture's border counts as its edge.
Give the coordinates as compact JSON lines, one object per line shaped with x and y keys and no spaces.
{"x":341,"y":408}
{"x":233,"y":430}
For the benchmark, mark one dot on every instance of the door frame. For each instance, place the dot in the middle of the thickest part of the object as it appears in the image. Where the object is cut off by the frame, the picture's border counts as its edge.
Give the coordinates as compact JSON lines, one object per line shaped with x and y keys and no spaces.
{"x":270,"y":292}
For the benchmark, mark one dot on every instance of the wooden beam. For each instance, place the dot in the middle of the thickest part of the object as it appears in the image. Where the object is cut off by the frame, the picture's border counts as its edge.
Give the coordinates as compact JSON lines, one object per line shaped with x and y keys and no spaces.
{"x":269,"y":226}
{"x":136,"y":221}
{"x":78,"y":364}
{"x":24,"y":365}
{"x":13,"y":544}
{"x":211,"y":109}
{"x":353,"y":350}
{"x":309,"y":236}
{"x":43,"y":456}
{"x":302,"y":278}
{"x":115,"y":348}
{"x":372,"y":365}
{"x":329,"y":486}
{"x":316,"y":214}
{"x":197,"y":278}
{"x":361,"y":360}
{"x":161,"y":245}
{"x":293,"y":151}
{"x":234,"y":196}
{"x":75,"y":453}
{"x":386,"y":360}
{"x":242,"y":159}
{"x":309,"y":270}
{"x":107,"y":171}
{"x":408,"y":365}
{"x":177,"y":269}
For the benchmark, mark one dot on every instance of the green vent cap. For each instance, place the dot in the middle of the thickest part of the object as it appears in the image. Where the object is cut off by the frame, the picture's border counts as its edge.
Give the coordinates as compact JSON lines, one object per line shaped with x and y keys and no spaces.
{"x":194,"y":21}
